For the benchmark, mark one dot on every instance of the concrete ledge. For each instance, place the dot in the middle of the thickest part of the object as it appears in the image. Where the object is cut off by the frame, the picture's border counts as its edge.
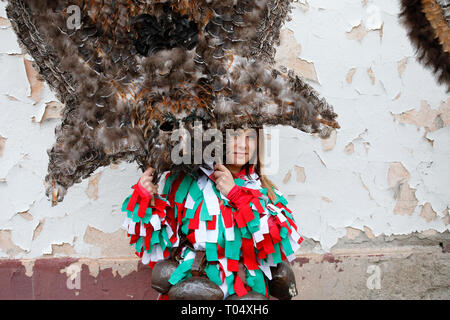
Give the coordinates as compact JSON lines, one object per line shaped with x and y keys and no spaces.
{"x":409,"y":272}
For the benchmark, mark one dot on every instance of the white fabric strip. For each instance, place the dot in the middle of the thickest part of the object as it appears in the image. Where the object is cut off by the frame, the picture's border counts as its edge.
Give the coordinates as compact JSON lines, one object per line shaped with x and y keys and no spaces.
{"x":281,"y":217}
{"x":265,"y":267}
{"x":291,"y":257}
{"x":145,"y":257}
{"x":126,"y":223}
{"x":142,"y":231}
{"x":264,"y":225}
{"x":200,"y":233}
{"x":155,"y":221}
{"x":224,"y":263}
{"x":131,"y":227}
{"x":201,"y":182}
{"x":258,"y":236}
{"x":189,"y":256}
{"x":189,"y":202}
{"x":157,"y":254}
{"x":229,"y":232}
{"x":212,"y":202}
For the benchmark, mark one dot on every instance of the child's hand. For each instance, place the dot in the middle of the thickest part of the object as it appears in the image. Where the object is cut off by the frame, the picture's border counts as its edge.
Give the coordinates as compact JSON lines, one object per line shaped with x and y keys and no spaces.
{"x":146,"y":181}
{"x":224,"y":179}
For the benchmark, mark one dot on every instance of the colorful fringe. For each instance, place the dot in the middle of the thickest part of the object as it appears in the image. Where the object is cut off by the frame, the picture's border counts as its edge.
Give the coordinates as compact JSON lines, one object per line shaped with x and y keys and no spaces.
{"x":247,"y":225}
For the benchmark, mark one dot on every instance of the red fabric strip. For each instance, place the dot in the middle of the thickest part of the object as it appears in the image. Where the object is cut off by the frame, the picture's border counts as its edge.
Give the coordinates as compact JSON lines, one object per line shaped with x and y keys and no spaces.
{"x":274,"y":230}
{"x":253,"y":192}
{"x":292,"y":223}
{"x":239,"y":219}
{"x":280,"y":205}
{"x":191,"y":237}
{"x":233,"y":265}
{"x":133,"y":199}
{"x":195,"y":223}
{"x":239,"y":287}
{"x":166,"y":253}
{"x":220,"y":252}
{"x":268,"y":244}
{"x":247,"y":214}
{"x":258,"y":205}
{"x":233,"y":192}
{"x":283,"y":256}
{"x":134,"y":238}
{"x":262,"y":254}
{"x":143,"y":205}
{"x":227,"y":215}
{"x":248,"y":251}
{"x":211,"y":225}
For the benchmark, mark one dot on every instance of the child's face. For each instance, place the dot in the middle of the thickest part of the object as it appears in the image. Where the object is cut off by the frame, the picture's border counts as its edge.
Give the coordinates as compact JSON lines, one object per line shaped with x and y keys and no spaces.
{"x":241,"y":146}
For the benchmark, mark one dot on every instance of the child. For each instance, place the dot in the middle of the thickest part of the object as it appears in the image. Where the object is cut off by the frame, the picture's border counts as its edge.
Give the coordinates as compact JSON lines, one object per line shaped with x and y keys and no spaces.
{"x":230,"y":225}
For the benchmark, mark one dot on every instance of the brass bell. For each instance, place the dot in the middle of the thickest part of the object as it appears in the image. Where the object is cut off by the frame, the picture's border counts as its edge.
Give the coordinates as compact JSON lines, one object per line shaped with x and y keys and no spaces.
{"x":282,"y":286}
{"x":196,"y":288}
{"x":161,"y":274}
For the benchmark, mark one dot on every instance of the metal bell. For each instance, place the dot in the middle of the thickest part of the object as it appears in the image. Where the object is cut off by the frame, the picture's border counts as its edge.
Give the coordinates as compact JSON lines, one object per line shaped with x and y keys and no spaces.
{"x":161,"y":274}
{"x":196,"y":288}
{"x":282,"y":286}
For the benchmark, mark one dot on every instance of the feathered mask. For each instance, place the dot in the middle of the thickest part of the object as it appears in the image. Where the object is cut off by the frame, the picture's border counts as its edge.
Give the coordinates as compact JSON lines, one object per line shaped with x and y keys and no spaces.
{"x":131,"y":71}
{"x":428,"y":24}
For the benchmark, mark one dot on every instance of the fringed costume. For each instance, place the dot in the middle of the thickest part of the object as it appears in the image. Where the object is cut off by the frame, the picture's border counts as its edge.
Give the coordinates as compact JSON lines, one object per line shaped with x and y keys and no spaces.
{"x":242,"y":235}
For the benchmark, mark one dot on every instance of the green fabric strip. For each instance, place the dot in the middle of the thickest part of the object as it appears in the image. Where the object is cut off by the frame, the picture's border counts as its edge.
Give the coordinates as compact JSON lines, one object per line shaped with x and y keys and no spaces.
{"x":136,"y":218}
{"x":287,"y":246}
{"x":125,"y":204}
{"x":139,"y":245}
{"x":221,"y":238}
{"x":254,"y":225}
{"x":233,"y":248}
{"x":155,"y":237}
{"x":183,"y":189}
{"x":165,"y":236}
{"x":279,"y":199}
{"x":195,"y":192}
{"x":182,"y":272}
{"x":211,"y":252}
{"x":204,"y":214}
{"x":245,"y":233}
{"x":277,"y":254}
{"x":257,"y":282}
{"x":213,"y":273}
{"x":230,"y":284}
{"x":185,"y":228}
{"x":148,"y":216}
{"x":168,"y":184}
{"x":283,"y":232}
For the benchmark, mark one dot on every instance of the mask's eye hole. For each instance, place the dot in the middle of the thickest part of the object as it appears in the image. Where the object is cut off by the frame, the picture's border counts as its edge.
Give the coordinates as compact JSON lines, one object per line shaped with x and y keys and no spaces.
{"x":167,"y":126}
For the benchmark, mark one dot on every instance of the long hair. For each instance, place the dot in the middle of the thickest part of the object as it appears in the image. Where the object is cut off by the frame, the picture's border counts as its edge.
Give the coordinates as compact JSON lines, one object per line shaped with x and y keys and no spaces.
{"x":259,"y":154}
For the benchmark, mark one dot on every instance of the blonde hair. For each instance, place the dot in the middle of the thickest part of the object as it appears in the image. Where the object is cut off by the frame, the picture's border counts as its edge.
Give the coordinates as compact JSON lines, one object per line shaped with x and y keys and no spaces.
{"x":259,"y":168}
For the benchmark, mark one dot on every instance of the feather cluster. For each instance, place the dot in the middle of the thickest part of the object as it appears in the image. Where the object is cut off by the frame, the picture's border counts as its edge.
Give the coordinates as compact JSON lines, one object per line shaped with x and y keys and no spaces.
{"x":133,"y":71}
{"x":428,"y":27}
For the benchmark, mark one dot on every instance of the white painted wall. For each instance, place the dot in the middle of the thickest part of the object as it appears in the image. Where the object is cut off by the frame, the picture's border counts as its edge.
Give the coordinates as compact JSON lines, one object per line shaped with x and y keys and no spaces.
{"x":376,"y":174}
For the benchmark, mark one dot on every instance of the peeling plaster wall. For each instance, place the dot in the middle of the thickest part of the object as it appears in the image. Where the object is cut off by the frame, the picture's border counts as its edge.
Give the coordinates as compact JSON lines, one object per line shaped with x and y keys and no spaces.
{"x":384,"y":173}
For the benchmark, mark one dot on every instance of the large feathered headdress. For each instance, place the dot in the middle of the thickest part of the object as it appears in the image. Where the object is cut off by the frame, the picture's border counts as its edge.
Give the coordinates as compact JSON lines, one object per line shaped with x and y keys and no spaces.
{"x":131,"y":71}
{"x":428,"y":24}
